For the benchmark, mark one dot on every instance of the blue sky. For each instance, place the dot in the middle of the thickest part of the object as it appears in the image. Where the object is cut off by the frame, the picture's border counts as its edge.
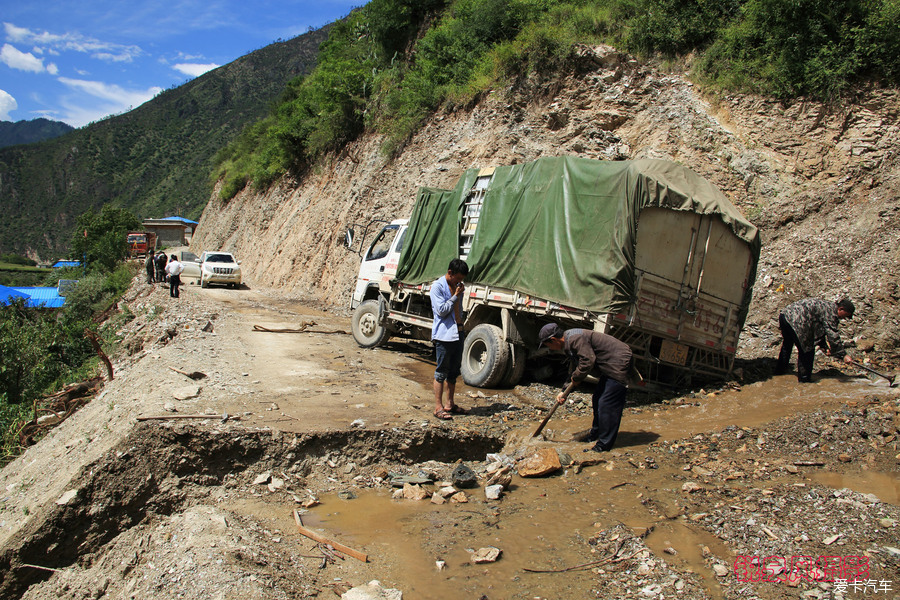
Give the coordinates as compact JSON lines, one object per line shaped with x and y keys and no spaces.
{"x":78,"y":61}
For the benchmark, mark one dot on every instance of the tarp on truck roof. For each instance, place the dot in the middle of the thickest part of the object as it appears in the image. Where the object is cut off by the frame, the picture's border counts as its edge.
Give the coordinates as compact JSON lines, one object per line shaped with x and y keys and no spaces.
{"x":560,"y":228}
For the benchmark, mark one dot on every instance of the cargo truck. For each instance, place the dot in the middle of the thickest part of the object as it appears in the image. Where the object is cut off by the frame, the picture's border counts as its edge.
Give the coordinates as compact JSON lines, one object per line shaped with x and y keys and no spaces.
{"x":140,"y":242}
{"x":644,"y":250}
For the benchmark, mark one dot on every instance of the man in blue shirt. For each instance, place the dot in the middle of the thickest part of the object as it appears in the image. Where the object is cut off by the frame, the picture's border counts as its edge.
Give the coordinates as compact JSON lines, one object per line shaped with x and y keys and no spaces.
{"x":447,"y":335}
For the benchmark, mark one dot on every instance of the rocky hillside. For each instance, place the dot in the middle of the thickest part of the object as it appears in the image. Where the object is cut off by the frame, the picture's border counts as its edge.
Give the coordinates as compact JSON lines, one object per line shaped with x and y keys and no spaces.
{"x":820,"y":181}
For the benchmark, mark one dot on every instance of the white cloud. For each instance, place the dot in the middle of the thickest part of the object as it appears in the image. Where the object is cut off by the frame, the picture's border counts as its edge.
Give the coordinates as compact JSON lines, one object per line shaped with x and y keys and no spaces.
{"x":111,"y":92}
{"x":7,"y":105}
{"x":73,"y":42}
{"x":115,"y":100}
{"x":23,"y":61}
{"x":194,"y":69}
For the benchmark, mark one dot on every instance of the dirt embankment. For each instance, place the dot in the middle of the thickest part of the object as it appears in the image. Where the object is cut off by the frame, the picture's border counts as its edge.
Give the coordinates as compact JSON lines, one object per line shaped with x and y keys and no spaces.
{"x":821,"y":181}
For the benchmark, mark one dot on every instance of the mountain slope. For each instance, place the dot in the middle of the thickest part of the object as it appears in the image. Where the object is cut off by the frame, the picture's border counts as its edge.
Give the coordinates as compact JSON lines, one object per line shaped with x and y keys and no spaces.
{"x":154,"y":160}
{"x":821,"y":182}
{"x":27,"y":132}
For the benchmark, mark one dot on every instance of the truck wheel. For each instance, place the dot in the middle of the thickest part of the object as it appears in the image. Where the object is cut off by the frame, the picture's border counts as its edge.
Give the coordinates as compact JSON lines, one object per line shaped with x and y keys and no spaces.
{"x":516,"y":367}
{"x":485,"y":356}
{"x":367,"y":331}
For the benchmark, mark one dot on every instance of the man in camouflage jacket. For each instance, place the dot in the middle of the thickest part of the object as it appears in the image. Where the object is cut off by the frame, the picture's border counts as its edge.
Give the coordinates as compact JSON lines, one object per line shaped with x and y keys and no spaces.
{"x":806,"y":324}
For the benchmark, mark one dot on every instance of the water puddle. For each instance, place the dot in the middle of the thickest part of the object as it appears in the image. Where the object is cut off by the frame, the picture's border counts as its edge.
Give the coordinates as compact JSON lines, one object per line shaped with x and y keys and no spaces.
{"x":886,"y":486}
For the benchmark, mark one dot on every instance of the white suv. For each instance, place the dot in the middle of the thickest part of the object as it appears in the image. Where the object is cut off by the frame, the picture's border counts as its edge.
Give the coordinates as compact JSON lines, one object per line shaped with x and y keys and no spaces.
{"x":219,"y":267}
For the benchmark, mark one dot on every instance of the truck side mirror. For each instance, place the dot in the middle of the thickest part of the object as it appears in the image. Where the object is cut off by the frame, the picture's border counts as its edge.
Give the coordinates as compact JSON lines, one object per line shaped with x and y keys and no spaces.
{"x":348,"y":239}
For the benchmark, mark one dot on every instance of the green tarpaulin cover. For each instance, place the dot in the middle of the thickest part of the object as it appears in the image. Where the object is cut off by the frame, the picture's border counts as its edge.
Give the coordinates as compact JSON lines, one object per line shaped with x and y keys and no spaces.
{"x":559,"y":228}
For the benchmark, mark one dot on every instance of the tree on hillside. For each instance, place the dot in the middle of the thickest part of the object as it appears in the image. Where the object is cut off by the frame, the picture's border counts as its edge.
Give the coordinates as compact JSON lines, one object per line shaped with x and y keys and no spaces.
{"x":100,"y":239}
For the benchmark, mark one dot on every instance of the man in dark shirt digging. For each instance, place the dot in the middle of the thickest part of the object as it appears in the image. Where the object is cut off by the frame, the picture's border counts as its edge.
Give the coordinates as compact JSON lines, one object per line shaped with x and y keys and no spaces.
{"x":609,"y":359}
{"x":809,"y":323}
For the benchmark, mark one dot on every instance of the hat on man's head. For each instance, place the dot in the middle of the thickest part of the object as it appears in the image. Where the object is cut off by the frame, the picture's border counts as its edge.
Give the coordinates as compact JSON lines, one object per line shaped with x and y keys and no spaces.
{"x":847,"y":306}
{"x":550,"y":330}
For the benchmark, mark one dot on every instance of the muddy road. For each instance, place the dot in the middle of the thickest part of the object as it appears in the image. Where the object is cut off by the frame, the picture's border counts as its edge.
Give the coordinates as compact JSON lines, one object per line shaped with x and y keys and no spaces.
{"x":716,"y":493}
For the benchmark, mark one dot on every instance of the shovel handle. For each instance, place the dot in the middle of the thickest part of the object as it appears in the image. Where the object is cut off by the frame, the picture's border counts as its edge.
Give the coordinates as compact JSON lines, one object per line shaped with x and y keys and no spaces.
{"x":540,"y":428}
{"x":870,"y":370}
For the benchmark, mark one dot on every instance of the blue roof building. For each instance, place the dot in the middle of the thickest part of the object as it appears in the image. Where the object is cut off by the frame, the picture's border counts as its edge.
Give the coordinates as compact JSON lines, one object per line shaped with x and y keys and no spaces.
{"x":38,"y":297}
{"x":60,"y":264}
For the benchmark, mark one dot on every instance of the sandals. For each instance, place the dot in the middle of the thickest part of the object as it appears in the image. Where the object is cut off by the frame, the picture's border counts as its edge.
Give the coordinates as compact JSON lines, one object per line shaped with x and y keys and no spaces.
{"x":458,"y":410}
{"x":442,"y":415}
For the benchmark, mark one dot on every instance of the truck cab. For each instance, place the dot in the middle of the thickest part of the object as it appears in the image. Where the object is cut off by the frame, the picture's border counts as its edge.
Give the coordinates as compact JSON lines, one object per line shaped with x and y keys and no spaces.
{"x":379,"y":263}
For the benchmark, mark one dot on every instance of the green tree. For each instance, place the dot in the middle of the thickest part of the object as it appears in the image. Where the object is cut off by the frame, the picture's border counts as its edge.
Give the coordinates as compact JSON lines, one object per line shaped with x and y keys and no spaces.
{"x":100,"y":238}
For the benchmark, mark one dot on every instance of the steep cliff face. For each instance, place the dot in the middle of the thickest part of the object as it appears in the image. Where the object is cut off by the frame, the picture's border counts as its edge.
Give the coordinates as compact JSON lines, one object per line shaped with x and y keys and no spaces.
{"x":821,"y":182}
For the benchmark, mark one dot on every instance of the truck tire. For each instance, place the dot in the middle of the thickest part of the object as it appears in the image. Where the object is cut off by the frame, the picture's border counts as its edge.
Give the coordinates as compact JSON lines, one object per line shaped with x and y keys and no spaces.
{"x":367,"y":330}
{"x":516,"y":367}
{"x":485,"y":356}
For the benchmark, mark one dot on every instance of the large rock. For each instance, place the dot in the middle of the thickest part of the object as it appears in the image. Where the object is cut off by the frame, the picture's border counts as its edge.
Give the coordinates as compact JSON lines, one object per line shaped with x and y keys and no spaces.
{"x":463,"y":477}
{"x":372,"y":591}
{"x":414,"y":492}
{"x":541,"y":463}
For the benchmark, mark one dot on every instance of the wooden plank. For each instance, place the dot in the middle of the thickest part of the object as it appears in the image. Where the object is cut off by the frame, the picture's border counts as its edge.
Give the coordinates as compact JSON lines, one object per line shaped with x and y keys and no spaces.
{"x":323,"y":540}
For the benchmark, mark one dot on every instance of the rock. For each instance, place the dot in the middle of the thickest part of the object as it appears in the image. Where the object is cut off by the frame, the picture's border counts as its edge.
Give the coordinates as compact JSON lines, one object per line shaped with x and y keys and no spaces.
{"x":447,"y":491}
{"x":358,"y":424}
{"x":402,"y":480}
{"x":208,"y":328}
{"x":440,"y":564}
{"x":493,"y":492}
{"x":887,"y":523}
{"x":540,"y":464}
{"x":67,"y":497}
{"x":831,"y":539}
{"x":486,"y":555}
{"x":865,"y":345}
{"x":459,"y":498}
{"x":436,"y":498}
{"x":187,"y":392}
{"x":262,"y":478}
{"x":397,"y":494}
{"x":720,"y":570}
{"x":169,"y":407}
{"x":463,"y":477}
{"x":276,"y":484}
{"x":690,"y":487}
{"x":414,"y":492}
{"x":310,"y":502}
{"x":372,"y":591}
{"x":346,"y":495}
{"x":502,"y":476}
{"x":844,"y":458}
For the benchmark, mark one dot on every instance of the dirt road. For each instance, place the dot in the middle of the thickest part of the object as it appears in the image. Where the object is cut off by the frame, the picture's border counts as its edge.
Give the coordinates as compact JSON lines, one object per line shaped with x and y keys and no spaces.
{"x":109,"y":506}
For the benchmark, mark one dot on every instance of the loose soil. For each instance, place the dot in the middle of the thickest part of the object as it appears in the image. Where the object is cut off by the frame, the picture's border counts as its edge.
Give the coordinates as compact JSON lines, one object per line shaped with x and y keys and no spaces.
{"x":106,"y":506}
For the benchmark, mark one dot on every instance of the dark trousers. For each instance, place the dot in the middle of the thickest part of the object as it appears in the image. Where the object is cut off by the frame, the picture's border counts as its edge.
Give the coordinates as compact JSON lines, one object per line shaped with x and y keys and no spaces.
{"x":804,"y":359}
{"x":174,"y":282}
{"x":608,"y":401}
{"x":150,"y":273}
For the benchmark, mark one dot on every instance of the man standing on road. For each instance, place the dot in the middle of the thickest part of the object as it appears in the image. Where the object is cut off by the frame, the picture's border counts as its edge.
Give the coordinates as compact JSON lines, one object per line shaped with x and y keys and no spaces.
{"x":610,"y":360}
{"x":809,"y":323}
{"x":161,"y":267}
{"x":173,"y":270}
{"x":150,"y":265}
{"x":447,"y":335}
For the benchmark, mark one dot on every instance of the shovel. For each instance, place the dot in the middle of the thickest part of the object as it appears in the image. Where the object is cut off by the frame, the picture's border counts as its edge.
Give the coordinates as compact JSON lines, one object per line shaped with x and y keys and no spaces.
{"x":195,"y":375}
{"x":540,"y":428}
{"x":870,"y":370}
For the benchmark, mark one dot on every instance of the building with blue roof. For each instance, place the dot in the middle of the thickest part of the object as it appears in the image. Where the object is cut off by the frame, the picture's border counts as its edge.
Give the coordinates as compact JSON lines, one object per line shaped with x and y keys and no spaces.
{"x":39,"y":297}
{"x":61,"y":264}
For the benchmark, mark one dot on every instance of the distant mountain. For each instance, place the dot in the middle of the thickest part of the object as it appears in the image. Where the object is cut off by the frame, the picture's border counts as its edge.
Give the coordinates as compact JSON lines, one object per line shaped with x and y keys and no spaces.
{"x":155,"y":160}
{"x":26,"y":132}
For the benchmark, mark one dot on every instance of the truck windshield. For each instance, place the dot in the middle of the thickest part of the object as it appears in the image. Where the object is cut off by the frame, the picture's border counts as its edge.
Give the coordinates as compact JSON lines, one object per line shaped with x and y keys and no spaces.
{"x":382,"y":243}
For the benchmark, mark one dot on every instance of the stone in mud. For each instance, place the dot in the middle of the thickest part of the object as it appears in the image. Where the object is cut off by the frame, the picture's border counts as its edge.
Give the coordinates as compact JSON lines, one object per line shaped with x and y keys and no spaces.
{"x":402,"y":480}
{"x":459,"y":498}
{"x":414,"y":492}
{"x":486,"y":555}
{"x":690,"y":487}
{"x":463,"y":477}
{"x":372,"y":591}
{"x":262,"y":478}
{"x":541,"y":463}
{"x":493,"y":492}
{"x":436,"y":498}
{"x":501,"y":477}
